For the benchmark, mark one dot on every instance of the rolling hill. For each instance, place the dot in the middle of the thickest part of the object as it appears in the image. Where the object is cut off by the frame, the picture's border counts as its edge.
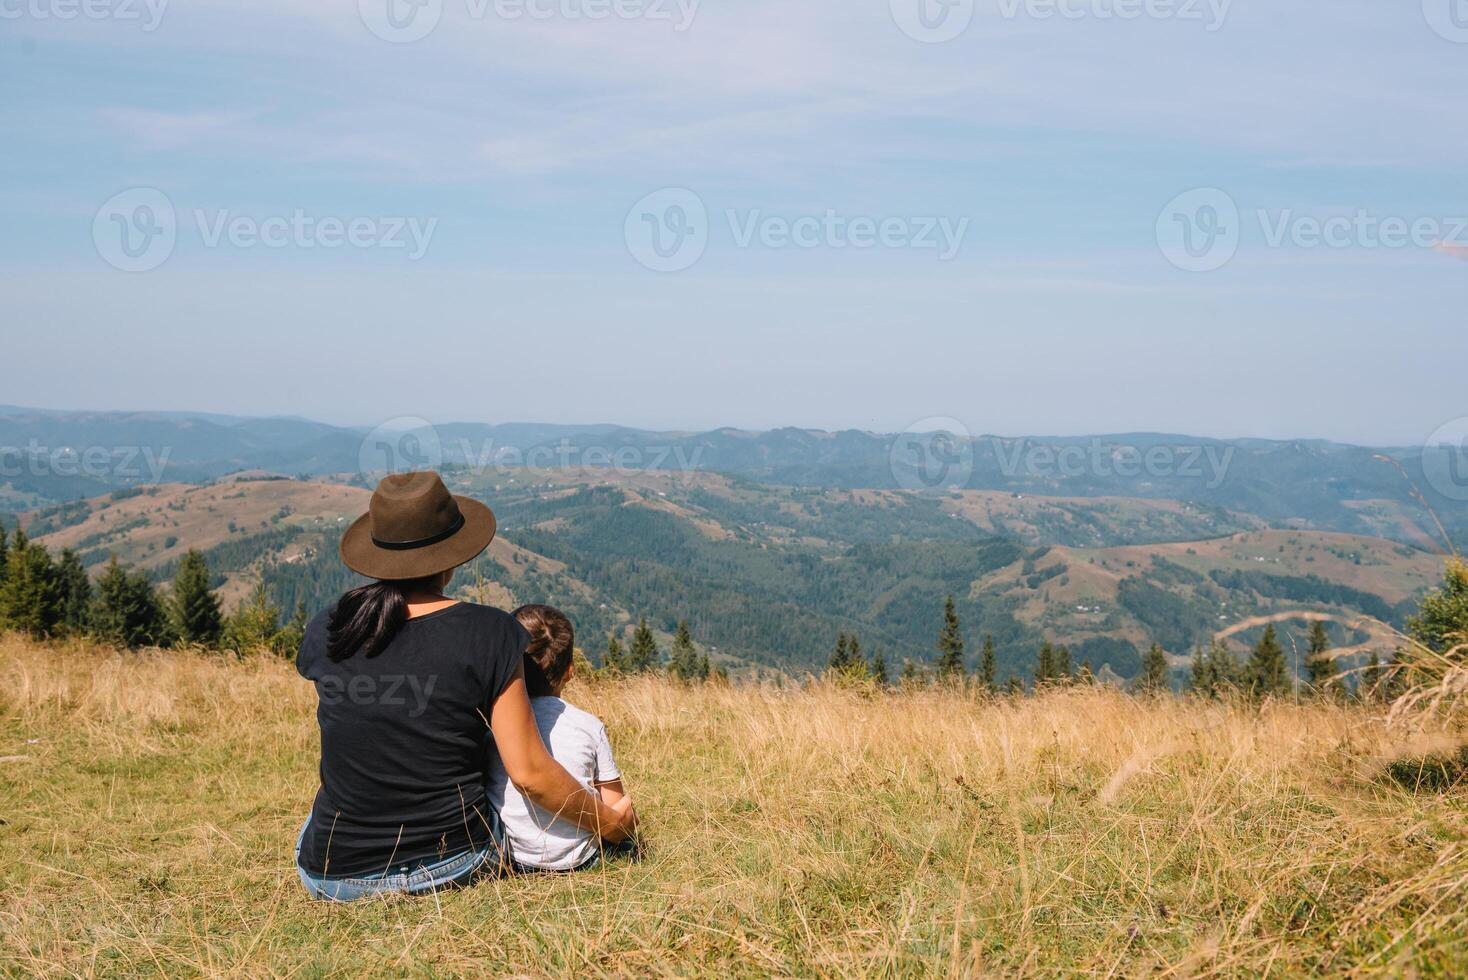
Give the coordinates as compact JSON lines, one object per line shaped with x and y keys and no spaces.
{"x":767,"y":575}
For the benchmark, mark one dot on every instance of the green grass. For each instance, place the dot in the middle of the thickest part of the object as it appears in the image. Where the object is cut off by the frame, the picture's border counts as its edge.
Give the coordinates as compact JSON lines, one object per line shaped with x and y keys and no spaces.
{"x":151,"y":803}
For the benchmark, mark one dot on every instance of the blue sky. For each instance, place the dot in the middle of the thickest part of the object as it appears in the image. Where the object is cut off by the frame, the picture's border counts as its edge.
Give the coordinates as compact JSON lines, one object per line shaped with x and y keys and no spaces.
{"x":517,"y":146}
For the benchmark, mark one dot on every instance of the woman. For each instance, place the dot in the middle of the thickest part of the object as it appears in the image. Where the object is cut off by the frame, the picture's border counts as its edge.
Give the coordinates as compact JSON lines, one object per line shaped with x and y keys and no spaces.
{"x":407,"y":681}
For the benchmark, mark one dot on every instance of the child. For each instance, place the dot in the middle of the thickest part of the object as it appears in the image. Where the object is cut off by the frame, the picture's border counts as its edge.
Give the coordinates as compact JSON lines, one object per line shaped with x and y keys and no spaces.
{"x":540,"y":840}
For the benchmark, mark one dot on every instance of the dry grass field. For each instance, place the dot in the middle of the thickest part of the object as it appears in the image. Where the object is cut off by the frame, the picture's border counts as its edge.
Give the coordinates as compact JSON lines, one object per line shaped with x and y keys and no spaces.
{"x":150,"y":802}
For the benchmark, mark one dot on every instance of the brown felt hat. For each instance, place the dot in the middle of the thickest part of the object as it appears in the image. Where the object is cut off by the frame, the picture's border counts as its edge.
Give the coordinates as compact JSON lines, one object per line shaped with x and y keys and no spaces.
{"x":414,"y":528}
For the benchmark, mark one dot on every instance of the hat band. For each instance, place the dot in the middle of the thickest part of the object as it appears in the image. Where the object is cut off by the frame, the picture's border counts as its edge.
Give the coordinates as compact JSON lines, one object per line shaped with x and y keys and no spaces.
{"x":447,"y":532}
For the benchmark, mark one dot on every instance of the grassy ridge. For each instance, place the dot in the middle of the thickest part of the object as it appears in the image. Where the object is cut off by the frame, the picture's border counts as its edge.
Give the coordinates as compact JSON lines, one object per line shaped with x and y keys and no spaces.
{"x":151,"y":801}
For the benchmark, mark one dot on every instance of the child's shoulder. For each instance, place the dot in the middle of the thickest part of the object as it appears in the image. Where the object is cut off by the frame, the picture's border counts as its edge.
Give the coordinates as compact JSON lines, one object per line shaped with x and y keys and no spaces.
{"x":561,"y":712}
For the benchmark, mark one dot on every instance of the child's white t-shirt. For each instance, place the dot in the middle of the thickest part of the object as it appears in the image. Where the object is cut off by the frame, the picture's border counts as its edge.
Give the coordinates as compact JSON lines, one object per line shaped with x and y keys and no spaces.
{"x":578,"y":741}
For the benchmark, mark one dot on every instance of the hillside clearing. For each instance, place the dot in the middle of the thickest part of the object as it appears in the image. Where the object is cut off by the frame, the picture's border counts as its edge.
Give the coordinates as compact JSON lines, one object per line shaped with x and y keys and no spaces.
{"x":151,"y":801}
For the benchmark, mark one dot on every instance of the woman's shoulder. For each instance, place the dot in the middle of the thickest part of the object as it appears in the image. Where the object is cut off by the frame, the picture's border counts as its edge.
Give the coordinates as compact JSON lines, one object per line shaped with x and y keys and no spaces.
{"x":493,"y":622}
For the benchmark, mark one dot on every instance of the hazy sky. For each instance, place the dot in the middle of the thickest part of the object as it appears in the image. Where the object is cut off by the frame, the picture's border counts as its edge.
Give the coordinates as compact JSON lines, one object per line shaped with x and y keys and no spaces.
{"x":870,"y":225}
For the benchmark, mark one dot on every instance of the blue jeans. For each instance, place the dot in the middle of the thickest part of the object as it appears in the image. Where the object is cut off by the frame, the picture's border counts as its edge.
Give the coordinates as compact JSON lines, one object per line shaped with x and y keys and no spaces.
{"x":463,"y":868}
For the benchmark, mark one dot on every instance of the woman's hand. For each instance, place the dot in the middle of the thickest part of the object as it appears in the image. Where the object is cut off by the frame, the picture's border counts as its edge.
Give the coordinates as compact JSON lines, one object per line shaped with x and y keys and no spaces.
{"x":540,"y":777}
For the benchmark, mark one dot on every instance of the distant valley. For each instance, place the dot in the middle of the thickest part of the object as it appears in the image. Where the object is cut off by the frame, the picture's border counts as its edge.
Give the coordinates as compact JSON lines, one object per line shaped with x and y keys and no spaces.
{"x":767,"y":574}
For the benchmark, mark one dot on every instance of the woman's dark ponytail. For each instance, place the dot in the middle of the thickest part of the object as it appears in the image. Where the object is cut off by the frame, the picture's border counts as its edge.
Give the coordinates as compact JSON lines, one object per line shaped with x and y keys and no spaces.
{"x":366,"y":618}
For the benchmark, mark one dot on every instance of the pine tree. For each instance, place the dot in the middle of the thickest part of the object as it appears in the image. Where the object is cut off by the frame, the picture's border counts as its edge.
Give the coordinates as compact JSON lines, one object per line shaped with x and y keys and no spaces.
{"x":75,"y":590}
{"x":614,"y":661}
{"x":878,"y":668}
{"x":841,"y":655}
{"x":1045,"y":664}
{"x":1204,"y":683}
{"x":293,"y":633}
{"x":1319,"y":667}
{"x":644,"y":655}
{"x":683,"y":660}
{"x":30,"y":598}
{"x":950,"y":644}
{"x":987,"y":665}
{"x":195,"y":608}
{"x":126,"y":609}
{"x":1441,"y":623}
{"x":1155,"y":677}
{"x":1265,"y":673}
{"x":846,"y":662}
{"x":1062,"y":664}
{"x":255,"y":624}
{"x":4,"y":560}
{"x":1215,"y":671}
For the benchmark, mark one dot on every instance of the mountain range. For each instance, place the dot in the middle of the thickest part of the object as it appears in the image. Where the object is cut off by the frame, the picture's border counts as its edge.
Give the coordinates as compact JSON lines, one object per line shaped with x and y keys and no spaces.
{"x":1306,"y":484}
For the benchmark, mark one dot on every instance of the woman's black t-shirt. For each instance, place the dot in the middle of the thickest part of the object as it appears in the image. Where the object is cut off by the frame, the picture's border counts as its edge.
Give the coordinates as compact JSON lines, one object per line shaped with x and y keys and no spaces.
{"x":403,"y":740}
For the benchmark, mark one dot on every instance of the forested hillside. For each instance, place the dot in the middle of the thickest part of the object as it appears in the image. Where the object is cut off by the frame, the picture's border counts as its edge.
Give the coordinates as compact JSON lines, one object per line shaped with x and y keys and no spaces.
{"x":768,"y":576}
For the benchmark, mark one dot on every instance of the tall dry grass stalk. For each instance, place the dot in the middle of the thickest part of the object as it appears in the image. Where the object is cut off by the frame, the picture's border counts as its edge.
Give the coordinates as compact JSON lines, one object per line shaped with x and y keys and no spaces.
{"x":151,"y":801}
